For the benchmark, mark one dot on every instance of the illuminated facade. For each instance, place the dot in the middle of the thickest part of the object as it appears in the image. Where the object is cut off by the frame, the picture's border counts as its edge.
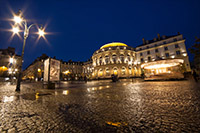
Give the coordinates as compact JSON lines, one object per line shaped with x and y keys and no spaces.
{"x":35,"y":70}
{"x":114,"y":58}
{"x":69,"y":70}
{"x":8,"y":62}
{"x":163,"y":56}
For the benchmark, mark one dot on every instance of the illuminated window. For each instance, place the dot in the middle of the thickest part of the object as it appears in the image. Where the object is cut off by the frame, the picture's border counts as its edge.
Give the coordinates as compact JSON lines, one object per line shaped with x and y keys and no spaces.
{"x":100,"y":60}
{"x":128,"y":57}
{"x":123,"y":71}
{"x":107,"y":59}
{"x":115,"y":71}
{"x":114,"y":58}
{"x":122,"y":58}
{"x":130,"y":72}
{"x":107,"y":72}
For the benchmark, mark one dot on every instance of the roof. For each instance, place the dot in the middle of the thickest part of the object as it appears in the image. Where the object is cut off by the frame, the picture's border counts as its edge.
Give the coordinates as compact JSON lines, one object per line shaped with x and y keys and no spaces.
{"x":157,"y":40}
{"x":113,"y":44}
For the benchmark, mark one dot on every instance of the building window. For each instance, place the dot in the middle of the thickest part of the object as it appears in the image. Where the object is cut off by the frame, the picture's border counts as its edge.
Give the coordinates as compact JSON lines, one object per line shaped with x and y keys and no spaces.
{"x":164,"y":42}
{"x":100,"y":61}
{"x":123,"y":71}
{"x":142,"y":60}
{"x":167,"y":54}
{"x":128,"y":57}
{"x":140,"y":54}
{"x":122,"y":58}
{"x":166,"y":48}
{"x":106,"y":59}
{"x":149,"y":58}
{"x":175,"y":39}
{"x":156,"y":50}
{"x":176,"y":46}
{"x":114,"y":58}
{"x":155,"y":45}
{"x":107,"y":72}
{"x":148,"y":52}
{"x":147,"y":46}
{"x":178,"y":52}
{"x":140,"y":48}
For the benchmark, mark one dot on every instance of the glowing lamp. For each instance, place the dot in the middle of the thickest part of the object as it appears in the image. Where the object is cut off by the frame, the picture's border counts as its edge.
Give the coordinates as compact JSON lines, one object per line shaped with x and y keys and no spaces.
{"x":17,"y":19}
{"x":15,"y":30}
{"x":41,"y":32}
{"x":11,"y":60}
{"x":184,"y":54}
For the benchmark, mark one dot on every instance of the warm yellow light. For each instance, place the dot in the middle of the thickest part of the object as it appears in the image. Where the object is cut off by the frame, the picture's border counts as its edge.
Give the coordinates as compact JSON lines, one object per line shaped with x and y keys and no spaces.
{"x":3,"y":68}
{"x":156,"y":66}
{"x":11,"y":60}
{"x":15,"y":30}
{"x":39,"y":70}
{"x":113,"y":44}
{"x":17,"y":19}
{"x":65,"y":92}
{"x":41,"y":32}
{"x":184,"y":54}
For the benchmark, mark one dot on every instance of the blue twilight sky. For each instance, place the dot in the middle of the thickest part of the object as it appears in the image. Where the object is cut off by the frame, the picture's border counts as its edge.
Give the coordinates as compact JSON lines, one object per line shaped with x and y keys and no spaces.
{"x":79,"y":27}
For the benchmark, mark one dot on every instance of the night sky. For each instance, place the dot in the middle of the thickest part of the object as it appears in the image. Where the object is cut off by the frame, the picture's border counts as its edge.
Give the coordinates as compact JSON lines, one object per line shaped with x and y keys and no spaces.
{"x":79,"y":27}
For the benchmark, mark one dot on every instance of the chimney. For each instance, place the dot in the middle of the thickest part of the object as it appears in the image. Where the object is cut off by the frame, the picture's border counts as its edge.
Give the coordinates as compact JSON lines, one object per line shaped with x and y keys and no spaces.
{"x":158,"y":36}
{"x":143,"y":40}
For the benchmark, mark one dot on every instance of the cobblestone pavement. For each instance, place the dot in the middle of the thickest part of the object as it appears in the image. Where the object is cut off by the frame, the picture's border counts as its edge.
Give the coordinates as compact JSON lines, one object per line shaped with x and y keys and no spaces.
{"x":102,"y":106}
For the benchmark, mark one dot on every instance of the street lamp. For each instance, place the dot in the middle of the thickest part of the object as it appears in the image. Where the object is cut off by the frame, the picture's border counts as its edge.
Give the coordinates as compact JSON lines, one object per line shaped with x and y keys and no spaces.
{"x":18,"y":18}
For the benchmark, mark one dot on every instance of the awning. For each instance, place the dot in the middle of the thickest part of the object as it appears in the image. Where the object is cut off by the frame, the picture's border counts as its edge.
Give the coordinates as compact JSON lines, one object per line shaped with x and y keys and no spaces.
{"x":162,"y":63}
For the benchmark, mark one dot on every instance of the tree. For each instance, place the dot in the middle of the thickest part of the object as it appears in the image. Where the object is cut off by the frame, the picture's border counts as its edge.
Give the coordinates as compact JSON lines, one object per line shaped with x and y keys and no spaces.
{"x":195,"y":49}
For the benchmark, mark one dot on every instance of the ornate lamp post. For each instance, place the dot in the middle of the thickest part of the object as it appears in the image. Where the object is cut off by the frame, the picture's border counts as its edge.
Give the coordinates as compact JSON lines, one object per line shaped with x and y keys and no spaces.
{"x":18,"y":18}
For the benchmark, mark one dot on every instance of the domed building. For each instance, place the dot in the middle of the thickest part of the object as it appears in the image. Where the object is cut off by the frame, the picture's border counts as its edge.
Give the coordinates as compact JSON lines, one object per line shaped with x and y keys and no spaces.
{"x":114,"y":58}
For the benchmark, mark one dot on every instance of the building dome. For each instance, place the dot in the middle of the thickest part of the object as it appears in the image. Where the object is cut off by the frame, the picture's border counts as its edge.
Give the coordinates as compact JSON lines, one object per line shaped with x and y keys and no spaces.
{"x":113,"y":44}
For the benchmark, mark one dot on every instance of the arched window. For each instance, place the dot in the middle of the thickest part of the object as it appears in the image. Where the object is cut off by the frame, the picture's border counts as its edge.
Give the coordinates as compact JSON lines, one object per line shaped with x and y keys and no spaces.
{"x":107,"y":72}
{"x":115,"y":71}
{"x":122,"y":58}
{"x":100,"y":61}
{"x":114,"y":58}
{"x":130,"y":70}
{"x":128,"y":58}
{"x":123,"y":70}
{"x":107,"y":59}
{"x":100,"y":73}
{"x":96,"y":61}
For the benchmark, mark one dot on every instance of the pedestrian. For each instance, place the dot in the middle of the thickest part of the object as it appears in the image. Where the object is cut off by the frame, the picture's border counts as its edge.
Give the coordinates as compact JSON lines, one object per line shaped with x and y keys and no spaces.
{"x":85,"y":79}
{"x":195,"y":76}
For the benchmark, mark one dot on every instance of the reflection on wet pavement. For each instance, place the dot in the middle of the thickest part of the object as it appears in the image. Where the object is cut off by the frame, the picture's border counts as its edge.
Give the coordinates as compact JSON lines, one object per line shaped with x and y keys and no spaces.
{"x":103,"y":106}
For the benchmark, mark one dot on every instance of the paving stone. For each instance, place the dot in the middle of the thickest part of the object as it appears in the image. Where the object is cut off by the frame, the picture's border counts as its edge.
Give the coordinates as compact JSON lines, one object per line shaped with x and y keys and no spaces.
{"x":164,"y":106}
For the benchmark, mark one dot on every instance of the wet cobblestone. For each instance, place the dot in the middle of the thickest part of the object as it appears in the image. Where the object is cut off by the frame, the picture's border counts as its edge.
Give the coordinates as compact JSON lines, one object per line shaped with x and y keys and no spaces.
{"x":102,"y":106}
